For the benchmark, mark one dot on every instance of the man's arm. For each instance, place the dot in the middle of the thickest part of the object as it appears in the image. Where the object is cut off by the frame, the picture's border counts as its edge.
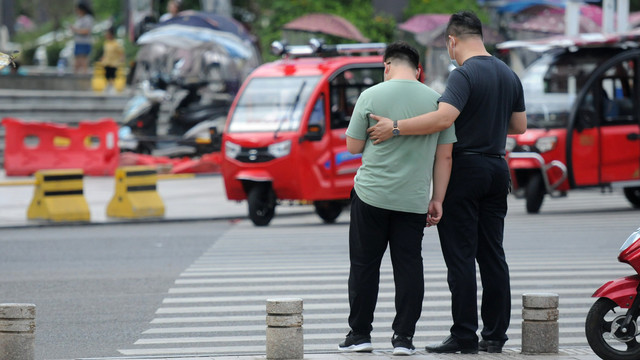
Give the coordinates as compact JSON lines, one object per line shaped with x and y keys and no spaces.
{"x":517,"y":123}
{"x":424,"y":124}
{"x":355,"y":146}
{"x":441,"y":174}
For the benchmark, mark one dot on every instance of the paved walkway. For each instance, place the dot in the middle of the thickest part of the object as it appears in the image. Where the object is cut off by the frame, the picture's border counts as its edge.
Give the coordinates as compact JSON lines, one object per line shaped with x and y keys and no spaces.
{"x":203,"y":198}
{"x":195,"y":198}
{"x":507,"y":354}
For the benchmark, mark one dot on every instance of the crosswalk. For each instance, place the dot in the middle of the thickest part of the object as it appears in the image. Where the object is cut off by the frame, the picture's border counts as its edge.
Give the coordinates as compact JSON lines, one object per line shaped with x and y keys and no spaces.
{"x":218,"y":304}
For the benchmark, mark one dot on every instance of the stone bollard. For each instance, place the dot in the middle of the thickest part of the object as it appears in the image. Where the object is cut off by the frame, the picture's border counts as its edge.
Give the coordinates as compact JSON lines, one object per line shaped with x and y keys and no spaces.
{"x":17,"y":331}
{"x":540,"y":332}
{"x":284,"y":329}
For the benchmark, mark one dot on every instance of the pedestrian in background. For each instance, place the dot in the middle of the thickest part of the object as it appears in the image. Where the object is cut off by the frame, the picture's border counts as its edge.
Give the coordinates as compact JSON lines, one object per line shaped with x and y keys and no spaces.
{"x":173,"y":8}
{"x":485,"y":99}
{"x":112,"y":58}
{"x":82,"y":36}
{"x":390,"y":200}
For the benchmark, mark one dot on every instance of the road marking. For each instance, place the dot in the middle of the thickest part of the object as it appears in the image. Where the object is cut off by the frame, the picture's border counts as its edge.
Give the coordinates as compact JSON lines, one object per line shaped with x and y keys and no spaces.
{"x":220,"y":298}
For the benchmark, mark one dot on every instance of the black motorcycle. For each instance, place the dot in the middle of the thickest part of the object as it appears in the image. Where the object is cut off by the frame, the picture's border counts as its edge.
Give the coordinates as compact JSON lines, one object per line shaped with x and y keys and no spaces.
{"x":194,"y":124}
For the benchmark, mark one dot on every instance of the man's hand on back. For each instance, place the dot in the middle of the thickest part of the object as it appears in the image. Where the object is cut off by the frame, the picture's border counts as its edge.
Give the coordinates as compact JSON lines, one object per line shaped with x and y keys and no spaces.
{"x":381,"y":131}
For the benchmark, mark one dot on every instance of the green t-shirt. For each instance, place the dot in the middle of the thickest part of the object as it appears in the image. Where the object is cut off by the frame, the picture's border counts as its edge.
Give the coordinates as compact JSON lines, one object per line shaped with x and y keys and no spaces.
{"x":396,"y":174}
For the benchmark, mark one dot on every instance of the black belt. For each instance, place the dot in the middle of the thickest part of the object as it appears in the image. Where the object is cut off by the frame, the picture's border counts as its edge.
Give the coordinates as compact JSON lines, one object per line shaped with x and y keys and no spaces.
{"x":461,"y":153}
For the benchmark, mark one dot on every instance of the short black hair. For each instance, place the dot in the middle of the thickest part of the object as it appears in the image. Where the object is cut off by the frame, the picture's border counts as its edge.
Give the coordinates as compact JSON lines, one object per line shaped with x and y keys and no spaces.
{"x":85,"y":7}
{"x":464,"y":23}
{"x":403,"y":51}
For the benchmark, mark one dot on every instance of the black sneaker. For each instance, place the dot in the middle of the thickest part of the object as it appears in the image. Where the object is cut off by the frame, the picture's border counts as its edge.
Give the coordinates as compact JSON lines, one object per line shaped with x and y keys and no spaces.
{"x":402,"y":345}
{"x":356,"y":343}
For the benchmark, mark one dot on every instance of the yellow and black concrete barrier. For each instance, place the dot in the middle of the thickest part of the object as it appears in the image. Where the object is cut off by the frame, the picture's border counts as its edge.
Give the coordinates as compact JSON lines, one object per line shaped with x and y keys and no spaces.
{"x":59,"y":196}
{"x":136,"y":194}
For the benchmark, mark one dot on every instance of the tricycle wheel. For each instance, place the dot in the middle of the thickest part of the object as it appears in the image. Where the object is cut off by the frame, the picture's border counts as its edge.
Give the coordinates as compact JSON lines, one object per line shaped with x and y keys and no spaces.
{"x":633,"y":195}
{"x":262,"y":204}
{"x":328,"y":210}
{"x":604,"y":335}
{"x":535,"y":194}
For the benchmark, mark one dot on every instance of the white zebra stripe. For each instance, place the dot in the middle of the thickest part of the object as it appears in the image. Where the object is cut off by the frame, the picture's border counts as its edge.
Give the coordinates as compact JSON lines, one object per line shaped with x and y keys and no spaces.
{"x":220,"y":298}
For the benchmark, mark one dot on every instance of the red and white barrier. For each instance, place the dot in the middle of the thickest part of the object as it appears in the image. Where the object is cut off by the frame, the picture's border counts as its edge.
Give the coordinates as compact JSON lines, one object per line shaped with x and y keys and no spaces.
{"x":31,"y":146}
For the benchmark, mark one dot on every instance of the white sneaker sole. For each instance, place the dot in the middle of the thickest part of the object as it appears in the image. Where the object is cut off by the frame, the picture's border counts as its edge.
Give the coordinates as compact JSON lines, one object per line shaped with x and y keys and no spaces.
{"x":402,"y":351}
{"x":364,"y":347}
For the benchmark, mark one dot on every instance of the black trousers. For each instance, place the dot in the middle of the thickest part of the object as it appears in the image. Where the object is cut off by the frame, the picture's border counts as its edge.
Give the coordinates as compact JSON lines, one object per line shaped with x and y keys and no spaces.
{"x":110,"y":72}
{"x":370,"y":231}
{"x":471,"y":230}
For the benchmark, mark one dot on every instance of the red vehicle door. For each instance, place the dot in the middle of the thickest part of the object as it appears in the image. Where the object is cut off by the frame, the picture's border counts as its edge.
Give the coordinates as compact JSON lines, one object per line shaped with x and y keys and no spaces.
{"x":606,"y":140}
{"x":620,"y":129}
{"x":345,"y":88}
{"x":316,"y":152}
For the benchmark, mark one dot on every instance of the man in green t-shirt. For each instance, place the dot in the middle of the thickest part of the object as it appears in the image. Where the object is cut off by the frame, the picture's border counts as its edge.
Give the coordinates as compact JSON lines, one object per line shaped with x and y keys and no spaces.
{"x":390,"y":200}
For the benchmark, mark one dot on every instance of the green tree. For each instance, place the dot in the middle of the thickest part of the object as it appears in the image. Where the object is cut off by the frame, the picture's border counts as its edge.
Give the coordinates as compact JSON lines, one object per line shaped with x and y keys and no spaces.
{"x":442,"y":7}
{"x":267,"y":17}
{"x":107,"y":8}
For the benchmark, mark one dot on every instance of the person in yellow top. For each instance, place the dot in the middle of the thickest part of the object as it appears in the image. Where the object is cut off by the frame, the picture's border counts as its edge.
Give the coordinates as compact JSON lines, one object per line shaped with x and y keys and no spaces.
{"x":112,"y":57}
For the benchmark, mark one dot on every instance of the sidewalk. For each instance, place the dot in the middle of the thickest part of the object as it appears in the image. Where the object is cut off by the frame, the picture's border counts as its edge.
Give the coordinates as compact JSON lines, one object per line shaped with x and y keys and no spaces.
{"x":185,"y":199}
{"x":507,"y":354}
{"x":203,"y":198}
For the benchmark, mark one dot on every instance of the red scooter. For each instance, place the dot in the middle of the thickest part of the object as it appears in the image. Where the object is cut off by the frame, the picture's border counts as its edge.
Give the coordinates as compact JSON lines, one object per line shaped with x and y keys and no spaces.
{"x":612,"y":333}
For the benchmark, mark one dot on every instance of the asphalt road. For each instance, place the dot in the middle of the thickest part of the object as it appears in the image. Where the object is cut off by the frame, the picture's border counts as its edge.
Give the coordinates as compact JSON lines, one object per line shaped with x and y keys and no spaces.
{"x":110,"y":290}
{"x":96,"y":287}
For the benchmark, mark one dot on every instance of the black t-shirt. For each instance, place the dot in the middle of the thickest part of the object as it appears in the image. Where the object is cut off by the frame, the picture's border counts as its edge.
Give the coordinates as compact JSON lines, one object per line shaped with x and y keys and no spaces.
{"x":487,"y":92}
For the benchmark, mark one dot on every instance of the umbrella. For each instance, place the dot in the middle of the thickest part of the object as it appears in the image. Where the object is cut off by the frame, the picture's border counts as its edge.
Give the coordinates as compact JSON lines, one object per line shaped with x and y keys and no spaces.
{"x":186,"y":37}
{"x":424,"y":22}
{"x":429,"y":30}
{"x":208,"y":21}
{"x":326,"y":24}
{"x":634,"y":19}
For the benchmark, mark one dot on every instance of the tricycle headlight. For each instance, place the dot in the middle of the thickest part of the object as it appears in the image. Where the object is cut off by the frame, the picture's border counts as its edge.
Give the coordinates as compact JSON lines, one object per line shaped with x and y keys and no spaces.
{"x":231,"y":150}
{"x":280,"y":149}
{"x":546,"y":143}
{"x":511,"y":144}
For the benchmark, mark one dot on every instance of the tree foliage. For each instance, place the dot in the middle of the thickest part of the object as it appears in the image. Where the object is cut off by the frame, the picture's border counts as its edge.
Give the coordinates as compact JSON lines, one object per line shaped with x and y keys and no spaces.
{"x":442,"y":7}
{"x":267,"y":17}
{"x":106,"y":8}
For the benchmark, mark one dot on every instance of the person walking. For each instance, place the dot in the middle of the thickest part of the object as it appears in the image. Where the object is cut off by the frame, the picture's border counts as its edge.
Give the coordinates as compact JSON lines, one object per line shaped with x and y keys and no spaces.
{"x":390,"y":200}
{"x":485,"y":99}
{"x":83,"y":39}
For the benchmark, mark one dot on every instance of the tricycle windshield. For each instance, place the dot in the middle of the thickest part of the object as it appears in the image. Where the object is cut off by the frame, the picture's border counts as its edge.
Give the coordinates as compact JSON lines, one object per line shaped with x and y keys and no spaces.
{"x":272,"y":104}
{"x":547,"y":107}
{"x":552,"y":82}
{"x":548,"y":111}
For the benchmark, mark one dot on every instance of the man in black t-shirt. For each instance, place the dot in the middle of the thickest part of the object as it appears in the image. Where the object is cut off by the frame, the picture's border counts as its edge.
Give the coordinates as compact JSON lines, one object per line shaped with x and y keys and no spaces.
{"x":485,"y":99}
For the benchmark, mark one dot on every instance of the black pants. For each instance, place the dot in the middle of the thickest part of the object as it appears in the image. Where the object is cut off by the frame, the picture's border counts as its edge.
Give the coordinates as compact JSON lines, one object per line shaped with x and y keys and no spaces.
{"x":370,"y":230}
{"x":110,"y":72}
{"x":471,"y":230}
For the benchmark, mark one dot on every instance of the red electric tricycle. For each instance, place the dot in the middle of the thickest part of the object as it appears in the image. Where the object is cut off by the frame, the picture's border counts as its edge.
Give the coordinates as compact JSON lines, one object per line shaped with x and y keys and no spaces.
{"x":583,"y":112}
{"x":284,"y":140}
